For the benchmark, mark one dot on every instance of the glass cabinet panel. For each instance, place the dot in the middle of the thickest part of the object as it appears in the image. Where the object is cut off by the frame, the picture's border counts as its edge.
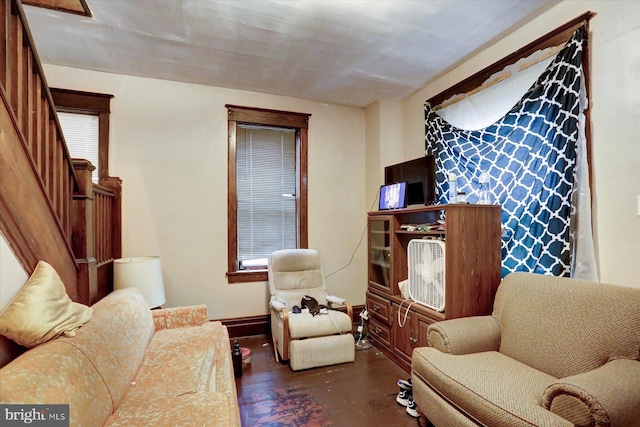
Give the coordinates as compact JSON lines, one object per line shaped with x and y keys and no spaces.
{"x":380,"y":253}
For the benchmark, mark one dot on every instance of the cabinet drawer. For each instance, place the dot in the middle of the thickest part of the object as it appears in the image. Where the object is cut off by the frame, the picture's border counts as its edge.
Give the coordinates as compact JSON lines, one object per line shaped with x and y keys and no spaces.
{"x":380,"y":332}
{"x":379,"y":307}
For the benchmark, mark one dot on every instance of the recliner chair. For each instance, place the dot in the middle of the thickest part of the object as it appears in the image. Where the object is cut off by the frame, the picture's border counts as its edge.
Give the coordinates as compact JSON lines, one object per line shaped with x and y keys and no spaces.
{"x":306,"y":340}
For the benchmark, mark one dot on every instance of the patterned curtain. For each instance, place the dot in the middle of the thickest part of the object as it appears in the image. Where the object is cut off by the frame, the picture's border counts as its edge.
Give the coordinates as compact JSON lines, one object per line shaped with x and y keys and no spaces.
{"x":530,"y":156}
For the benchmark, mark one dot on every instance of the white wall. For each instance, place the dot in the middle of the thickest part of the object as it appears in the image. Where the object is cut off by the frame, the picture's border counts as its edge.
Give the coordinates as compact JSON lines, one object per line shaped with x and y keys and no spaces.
{"x":168,"y":144}
{"x":384,"y":135}
{"x":615,"y":121}
{"x":12,"y":275}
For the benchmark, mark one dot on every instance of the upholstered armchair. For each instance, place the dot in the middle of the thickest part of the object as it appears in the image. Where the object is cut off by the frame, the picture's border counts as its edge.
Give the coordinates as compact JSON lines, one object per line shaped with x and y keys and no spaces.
{"x":304,"y":339}
{"x":555,"y":352}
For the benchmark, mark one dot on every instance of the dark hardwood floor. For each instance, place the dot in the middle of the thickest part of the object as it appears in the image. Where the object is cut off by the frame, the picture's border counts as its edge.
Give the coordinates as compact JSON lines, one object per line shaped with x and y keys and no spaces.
{"x":353,"y":394}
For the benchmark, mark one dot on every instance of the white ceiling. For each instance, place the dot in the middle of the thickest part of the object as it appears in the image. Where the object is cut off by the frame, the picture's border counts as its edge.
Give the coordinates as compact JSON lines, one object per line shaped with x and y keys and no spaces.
{"x":333,"y":51}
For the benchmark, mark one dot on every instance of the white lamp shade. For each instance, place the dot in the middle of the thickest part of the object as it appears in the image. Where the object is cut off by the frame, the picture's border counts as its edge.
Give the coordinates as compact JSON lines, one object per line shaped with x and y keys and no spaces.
{"x":143,"y":273}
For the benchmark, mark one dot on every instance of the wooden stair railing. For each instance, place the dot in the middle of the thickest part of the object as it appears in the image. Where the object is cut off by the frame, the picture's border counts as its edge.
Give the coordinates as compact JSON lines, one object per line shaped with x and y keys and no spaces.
{"x":49,"y":208}
{"x":36,"y":174}
{"x":96,"y":231}
{"x":108,"y":233}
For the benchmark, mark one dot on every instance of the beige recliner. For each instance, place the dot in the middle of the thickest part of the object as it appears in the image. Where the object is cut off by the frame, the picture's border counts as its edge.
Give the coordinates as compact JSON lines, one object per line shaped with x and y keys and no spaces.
{"x":305,"y":340}
{"x":555,"y":352}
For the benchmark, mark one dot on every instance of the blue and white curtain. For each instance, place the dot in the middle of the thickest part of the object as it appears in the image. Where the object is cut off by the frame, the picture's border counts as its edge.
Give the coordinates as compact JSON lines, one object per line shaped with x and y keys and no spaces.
{"x":530,"y":155}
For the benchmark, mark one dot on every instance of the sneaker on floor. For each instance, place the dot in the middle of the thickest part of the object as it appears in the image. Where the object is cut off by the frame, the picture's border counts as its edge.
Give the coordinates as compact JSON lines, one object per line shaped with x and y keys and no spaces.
{"x":405,"y":384}
{"x":412,"y":408}
{"x":404,"y":397}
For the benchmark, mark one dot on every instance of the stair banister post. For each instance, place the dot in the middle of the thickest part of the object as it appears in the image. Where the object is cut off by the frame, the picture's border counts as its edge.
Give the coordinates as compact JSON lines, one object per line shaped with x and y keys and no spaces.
{"x":83,"y":234}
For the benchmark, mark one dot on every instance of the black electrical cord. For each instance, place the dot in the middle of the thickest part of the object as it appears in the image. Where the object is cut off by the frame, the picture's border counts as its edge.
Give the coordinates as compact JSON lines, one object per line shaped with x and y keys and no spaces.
{"x":359,"y":242}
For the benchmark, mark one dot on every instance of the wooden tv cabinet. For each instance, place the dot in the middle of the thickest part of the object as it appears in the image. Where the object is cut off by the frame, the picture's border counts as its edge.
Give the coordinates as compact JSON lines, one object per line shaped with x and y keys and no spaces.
{"x":472,"y":271}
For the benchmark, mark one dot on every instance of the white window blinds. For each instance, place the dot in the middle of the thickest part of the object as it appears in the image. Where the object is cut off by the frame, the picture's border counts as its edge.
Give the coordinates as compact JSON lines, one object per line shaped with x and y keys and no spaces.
{"x":266,"y":192}
{"x":81,"y":133}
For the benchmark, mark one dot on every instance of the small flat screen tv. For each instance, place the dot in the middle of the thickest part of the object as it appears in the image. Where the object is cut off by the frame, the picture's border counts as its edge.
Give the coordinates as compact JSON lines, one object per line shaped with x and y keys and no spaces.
{"x":393,"y":196}
{"x":419,"y":174}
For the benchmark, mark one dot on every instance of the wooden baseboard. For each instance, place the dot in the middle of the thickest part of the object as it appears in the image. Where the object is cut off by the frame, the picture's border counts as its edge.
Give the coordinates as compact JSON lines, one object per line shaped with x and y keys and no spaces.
{"x":258,"y":325}
{"x":247,"y":326}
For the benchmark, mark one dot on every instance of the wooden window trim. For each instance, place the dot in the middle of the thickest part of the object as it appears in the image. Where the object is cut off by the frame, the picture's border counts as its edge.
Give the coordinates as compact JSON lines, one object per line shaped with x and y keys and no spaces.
{"x":553,"y":38}
{"x":260,"y":116}
{"x":97,"y":104}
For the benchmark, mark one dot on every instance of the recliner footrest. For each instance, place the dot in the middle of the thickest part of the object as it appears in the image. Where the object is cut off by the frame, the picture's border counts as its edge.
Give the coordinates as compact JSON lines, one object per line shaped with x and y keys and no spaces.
{"x":321,"y":351}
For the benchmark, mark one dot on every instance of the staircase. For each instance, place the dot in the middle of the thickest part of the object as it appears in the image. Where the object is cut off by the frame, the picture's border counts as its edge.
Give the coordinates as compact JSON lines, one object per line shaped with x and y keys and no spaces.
{"x":49,"y":208}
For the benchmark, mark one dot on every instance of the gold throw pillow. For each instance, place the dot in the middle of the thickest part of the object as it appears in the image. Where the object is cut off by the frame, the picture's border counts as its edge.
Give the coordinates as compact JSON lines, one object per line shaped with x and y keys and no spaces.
{"x":42,"y":310}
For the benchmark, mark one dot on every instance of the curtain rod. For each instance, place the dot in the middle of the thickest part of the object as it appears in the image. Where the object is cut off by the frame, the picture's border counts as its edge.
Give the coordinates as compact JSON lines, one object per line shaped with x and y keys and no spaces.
{"x":500,"y":78}
{"x":481,"y":76}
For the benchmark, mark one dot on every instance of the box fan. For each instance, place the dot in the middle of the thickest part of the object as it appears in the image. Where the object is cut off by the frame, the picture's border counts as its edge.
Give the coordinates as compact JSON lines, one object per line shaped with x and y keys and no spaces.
{"x":426,"y":262}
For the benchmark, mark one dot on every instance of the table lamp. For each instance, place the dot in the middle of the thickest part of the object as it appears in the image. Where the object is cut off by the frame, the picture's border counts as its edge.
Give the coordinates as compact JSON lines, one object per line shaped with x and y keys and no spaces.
{"x":143,"y":273}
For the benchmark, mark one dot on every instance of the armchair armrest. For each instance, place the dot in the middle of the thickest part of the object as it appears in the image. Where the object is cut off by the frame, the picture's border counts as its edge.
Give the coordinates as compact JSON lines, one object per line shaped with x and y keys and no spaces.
{"x":277,"y":305}
{"x":608,"y":395}
{"x":179,"y":317}
{"x":465,"y":335}
{"x":279,"y":309}
{"x":332,"y":299}
{"x":336,"y":300}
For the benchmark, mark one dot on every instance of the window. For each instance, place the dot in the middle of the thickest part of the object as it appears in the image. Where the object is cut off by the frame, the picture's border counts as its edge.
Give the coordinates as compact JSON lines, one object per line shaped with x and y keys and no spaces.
{"x":500,"y":137}
{"x":81,"y":135}
{"x":267,"y":194}
{"x":84,"y":118}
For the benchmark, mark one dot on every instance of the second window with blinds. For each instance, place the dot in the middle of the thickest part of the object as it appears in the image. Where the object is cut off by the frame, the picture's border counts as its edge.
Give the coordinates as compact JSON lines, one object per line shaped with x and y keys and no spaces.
{"x":266,"y":193}
{"x":267,"y":188}
{"x":84,"y":118}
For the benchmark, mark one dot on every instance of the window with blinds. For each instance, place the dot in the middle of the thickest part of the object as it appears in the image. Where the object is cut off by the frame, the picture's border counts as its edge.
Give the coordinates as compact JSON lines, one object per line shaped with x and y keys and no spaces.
{"x":81,"y":132}
{"x":267,"y":182}
{"x":265,"y":193}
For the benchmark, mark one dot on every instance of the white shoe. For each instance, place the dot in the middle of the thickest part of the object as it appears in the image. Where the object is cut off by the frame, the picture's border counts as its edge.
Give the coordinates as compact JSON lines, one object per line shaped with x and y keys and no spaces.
{"x":412,"y":408}
{"x":404,"y":397}
{"x":405,"y":384}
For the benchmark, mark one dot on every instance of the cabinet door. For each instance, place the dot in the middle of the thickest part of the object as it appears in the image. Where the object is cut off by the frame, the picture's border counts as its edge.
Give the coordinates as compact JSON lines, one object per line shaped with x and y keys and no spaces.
{"x":423,"y":324}
{"x":405,"y":337}
{"x":380,"y":254}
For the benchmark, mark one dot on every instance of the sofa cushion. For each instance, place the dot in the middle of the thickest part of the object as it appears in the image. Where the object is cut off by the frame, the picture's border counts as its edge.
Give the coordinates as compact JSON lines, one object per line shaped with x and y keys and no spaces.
{"x":490,"y":387}
{"x":57,"y":373}
{"x":116,"y":338}
{"x":222,"y":377}
{"x":598,"y":322}
{"x":202,"y":409}
{"x":42,"y":310}
{"x":177,"y":363}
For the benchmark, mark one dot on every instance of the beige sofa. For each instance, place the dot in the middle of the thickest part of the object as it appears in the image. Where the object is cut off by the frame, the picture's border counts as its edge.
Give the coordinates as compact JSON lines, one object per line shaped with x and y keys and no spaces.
{"x":555,"y":352}
{"x":131,"y":366}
